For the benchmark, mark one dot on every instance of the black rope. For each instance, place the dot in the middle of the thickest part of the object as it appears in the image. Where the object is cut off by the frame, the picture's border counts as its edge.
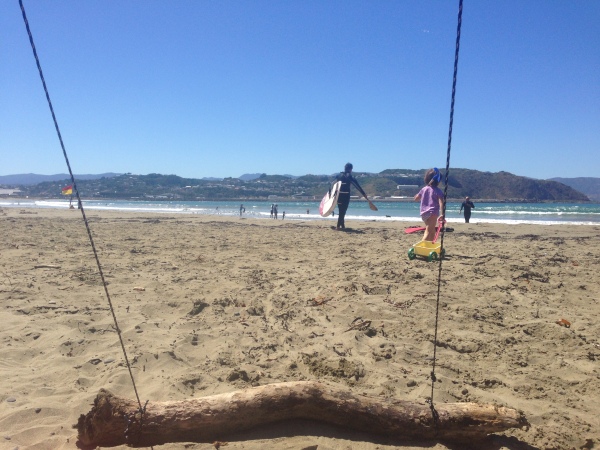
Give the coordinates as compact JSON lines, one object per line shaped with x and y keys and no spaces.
{"x":437,"y":305}
{"x":80,"y":205}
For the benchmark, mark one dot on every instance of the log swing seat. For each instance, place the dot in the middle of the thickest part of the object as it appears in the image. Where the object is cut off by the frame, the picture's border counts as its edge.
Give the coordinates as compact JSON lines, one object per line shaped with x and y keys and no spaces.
{"x":115,"y":421}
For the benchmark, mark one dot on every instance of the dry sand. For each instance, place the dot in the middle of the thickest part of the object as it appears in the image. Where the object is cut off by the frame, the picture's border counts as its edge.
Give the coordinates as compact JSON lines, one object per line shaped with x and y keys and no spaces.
{"x":230,"y":303}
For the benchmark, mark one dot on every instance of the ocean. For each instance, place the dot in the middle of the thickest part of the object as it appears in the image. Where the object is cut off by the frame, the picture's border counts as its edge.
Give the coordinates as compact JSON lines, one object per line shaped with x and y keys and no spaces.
{"x":510,"y":213}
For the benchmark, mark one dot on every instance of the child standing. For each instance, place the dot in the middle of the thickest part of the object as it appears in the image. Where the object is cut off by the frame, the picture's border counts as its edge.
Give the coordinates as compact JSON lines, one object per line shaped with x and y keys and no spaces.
{"x":432,"y":201}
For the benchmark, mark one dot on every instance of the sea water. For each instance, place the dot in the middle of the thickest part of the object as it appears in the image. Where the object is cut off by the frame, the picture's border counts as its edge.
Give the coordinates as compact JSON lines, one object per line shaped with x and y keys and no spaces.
{"x":511,"y":213}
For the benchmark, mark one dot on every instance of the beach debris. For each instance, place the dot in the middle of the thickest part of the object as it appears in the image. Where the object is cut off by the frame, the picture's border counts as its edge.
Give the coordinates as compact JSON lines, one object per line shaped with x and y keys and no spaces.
{"x":402,"y":305}
{"x":139,"y":288}
{"x":359,"y":324}
{"x":197,"y":308}
{"x":384,"y":351}
{"x":219,"y":444}
{"x":341,"y":351}
{"x":320,"y":300}
{"x":254,"y":310}
{"x":238,"y":374}
{"x":46,"y":266}
{"x":564,"y":323}
{"x":284,"y":318}
{"x":187,"y":420}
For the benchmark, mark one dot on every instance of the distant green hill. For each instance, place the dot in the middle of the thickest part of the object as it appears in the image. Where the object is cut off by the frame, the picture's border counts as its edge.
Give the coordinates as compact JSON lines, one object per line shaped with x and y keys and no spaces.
{"x":501,"y":186}
{"x":506,"y":186}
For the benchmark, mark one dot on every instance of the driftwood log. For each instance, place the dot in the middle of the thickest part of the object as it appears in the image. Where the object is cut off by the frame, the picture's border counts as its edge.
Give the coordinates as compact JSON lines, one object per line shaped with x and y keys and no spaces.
{"x":114,"y":421}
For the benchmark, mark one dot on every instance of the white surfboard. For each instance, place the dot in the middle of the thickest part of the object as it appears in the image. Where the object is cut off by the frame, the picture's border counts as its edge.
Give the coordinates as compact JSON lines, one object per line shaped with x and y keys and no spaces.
{"x":330,"y":200}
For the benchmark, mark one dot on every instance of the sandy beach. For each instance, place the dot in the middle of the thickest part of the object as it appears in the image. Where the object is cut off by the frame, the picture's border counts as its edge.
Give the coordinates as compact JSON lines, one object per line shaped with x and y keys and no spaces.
{"x":209,"y":305}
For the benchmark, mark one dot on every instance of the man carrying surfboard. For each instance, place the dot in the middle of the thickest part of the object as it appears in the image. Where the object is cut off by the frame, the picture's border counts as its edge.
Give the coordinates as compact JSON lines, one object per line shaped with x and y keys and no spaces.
{"x":347,"y":179}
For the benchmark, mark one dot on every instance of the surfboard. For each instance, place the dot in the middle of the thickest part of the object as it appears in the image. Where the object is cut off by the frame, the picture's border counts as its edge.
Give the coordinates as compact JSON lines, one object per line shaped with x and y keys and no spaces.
{"x":330,"y":200}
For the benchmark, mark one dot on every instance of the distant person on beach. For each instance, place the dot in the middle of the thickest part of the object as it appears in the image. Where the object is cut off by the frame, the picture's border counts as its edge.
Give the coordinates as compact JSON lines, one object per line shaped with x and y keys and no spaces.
{"x":432,"y":202}
{"x":344,"y":197}
{"x":242,"y":209}
{"x":467,"y":205}
{"x":275,"y":211}
{"x":272,"y":209}
{"x":283,"y":216}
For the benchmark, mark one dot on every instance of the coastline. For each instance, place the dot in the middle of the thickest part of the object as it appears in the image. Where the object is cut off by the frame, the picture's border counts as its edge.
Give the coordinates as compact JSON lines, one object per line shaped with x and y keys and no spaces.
{"x":354,"y":198}
{"x":508,"y":213}
{"x":229,"y":303}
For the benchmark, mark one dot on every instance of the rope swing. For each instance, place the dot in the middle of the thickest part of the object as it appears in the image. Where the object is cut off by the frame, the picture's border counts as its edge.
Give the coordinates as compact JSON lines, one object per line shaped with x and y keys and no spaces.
{"x":80,"y":206}
{"x":136,"y":413}
{"x":437,"y":304}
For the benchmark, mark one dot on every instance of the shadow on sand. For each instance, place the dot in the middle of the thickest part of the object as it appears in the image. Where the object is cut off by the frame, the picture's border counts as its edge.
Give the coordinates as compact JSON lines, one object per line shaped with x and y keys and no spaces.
{"x":308,"y":433}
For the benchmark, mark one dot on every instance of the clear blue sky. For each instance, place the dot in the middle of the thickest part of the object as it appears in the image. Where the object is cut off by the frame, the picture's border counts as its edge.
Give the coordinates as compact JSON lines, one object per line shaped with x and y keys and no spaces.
{"x":222,"y":88}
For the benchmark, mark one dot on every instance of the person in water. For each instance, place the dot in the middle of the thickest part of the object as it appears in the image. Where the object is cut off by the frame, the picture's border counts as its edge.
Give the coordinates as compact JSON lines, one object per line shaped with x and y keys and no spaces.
{"x":344,"y":197}
{"x":467,"y":205}
{"x":432,"y":202}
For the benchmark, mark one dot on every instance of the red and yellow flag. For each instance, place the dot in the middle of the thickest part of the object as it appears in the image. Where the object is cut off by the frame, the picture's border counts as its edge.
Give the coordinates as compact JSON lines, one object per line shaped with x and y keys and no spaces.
{"x":68,"y":190}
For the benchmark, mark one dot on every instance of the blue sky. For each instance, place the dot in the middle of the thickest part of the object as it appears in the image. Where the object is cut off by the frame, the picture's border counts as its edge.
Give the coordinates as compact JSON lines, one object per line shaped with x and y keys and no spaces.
{"x":222,"y":88}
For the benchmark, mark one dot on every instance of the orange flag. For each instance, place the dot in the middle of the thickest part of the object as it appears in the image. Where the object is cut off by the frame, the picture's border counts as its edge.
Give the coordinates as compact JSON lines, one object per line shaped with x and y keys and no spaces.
{"x":68,"y":190}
